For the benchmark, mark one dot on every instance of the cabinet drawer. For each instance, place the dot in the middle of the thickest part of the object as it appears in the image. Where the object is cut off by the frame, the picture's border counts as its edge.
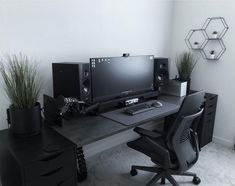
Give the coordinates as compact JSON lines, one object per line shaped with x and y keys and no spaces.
{"x":50,"y":162}
{"x":70,"y":182}
{"x":55,"y":179}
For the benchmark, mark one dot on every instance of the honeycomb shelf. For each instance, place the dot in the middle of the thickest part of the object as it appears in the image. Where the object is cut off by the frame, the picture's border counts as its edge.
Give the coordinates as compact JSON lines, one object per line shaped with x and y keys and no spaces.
{"x":208,"y":39}
{"x":221,"y":23}
{"x":195,"y":43}
{"x":212,"y":54}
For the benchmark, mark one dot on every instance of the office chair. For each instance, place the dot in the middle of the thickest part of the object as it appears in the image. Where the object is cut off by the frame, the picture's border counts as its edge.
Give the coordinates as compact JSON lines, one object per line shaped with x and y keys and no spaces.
{"x":175,"y":151}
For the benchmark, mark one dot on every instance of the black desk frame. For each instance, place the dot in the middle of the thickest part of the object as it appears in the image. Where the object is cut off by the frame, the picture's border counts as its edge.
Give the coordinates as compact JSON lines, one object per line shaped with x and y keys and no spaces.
{"x":100,"y":128}
{"x":82,"y":169}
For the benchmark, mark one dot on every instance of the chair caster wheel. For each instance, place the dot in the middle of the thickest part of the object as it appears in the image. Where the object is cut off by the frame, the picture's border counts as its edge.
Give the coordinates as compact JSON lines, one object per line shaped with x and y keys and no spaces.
{"x":133,"y":172}
{"x":163,"y":181}
{"x":196,"y":180}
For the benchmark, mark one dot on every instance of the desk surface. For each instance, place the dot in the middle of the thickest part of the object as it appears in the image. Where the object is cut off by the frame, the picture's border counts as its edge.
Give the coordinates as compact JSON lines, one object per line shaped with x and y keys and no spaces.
{"x":88,"y":129}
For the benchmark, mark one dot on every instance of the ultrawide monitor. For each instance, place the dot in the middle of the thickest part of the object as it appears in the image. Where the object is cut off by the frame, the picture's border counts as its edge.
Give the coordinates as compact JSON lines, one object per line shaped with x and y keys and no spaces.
{"x":115,"y":77}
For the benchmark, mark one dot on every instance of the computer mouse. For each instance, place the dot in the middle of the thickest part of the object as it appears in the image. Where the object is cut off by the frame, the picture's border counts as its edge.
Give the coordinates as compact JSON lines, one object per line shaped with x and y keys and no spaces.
{"x":157,"y":104}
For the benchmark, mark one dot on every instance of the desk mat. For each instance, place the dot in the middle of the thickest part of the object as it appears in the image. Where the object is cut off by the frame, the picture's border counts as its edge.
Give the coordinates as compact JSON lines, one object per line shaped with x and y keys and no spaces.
{"x":120,"y":117}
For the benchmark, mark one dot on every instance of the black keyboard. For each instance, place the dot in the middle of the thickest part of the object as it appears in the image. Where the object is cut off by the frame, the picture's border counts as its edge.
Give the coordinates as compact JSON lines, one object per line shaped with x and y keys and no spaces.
{"x":136,"y":109}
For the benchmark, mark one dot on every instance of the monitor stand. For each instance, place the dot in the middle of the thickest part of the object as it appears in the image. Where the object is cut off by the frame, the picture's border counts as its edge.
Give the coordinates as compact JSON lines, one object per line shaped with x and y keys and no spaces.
{"x":121,"y":102}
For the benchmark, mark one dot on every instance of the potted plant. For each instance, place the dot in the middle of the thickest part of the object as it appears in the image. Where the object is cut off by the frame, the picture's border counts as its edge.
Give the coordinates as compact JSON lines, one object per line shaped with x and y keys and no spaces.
{"x":22,"y":86}
{"x":215,"y":34}
{"x":185,"y":64}
{"x":212,"y":54}
{"x":196,"y":45}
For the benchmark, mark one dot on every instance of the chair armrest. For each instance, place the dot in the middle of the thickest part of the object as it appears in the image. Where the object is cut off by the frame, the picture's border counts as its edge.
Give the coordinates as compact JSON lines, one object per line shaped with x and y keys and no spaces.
{"x":151,"y":134}
{"x":195,"y":143}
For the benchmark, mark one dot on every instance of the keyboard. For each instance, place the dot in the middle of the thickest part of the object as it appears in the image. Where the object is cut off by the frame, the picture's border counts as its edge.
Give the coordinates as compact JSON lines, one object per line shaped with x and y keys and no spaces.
{"x":136,"y":109}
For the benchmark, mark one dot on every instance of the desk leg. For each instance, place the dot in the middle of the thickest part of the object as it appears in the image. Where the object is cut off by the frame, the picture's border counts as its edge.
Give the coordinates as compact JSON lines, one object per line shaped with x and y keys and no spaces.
{"x":82,"y":170}
{"x":169,"y":120}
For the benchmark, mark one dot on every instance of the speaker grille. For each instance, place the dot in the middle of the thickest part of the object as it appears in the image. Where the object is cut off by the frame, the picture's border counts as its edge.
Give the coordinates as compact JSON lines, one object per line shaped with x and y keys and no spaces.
{"x":161,"y":72}
{"x":85,"y":86}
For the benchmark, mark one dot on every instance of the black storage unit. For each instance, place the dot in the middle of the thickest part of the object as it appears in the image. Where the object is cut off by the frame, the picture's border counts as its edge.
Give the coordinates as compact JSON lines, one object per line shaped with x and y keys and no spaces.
{"x":206,"y":124}
{"x":47,"y":159}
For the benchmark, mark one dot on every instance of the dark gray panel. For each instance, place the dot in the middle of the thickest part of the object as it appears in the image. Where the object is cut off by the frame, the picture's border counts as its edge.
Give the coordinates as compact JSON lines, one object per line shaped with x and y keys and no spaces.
{"x":120,"y":117}
{"x":88,"y":129}
{"x":171,"y":99}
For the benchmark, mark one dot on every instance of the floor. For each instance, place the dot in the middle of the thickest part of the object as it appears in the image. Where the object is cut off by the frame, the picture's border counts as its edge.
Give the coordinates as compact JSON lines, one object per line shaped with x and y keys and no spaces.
{"x":215,"y":167}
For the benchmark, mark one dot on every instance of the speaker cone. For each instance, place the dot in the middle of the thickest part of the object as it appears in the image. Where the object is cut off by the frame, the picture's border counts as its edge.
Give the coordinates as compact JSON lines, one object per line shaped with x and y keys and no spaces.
{"x":162,"y":76}
{"x":85,"y":88}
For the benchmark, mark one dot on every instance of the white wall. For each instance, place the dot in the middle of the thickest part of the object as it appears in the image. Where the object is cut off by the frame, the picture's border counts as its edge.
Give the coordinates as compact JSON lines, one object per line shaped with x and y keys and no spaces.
{"x":215,"y":77}
{"x":75,"y":30}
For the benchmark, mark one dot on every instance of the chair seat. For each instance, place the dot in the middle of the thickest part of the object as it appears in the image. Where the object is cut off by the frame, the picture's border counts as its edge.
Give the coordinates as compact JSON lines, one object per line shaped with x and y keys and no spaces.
{"x":142,"y":145}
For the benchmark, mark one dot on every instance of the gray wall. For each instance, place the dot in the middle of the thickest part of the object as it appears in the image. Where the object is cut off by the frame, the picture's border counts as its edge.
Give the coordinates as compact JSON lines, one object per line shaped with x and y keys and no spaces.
{"x":213,"y":76}
{"x":75,"y":30}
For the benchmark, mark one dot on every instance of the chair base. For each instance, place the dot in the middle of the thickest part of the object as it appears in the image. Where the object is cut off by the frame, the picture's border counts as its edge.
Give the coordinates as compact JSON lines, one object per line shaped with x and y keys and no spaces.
{"x":163,"y":175}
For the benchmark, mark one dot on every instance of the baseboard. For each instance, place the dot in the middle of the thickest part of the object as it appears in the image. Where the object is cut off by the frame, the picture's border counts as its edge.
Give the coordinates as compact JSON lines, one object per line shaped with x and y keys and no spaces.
{"x":117,"y":139}
{"x":223,"y":141}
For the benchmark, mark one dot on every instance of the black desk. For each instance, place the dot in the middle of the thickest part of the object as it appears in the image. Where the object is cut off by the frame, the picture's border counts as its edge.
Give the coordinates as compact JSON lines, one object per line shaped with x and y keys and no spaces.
{"x":87,"y":129}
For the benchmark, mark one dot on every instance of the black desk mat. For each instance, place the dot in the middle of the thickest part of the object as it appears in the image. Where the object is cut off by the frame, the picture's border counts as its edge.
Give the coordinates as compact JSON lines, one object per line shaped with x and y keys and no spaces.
{"x":120,"y":117}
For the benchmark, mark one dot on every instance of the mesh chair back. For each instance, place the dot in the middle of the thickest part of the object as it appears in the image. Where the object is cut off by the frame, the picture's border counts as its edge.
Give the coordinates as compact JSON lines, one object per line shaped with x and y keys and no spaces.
{"x":179,"y":137}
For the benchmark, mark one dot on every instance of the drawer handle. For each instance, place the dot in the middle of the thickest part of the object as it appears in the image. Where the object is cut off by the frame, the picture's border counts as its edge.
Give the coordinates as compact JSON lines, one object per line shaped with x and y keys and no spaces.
{"x":212,"y":98}
{"x":51,"y":157}
{"x":210,"y":113}
{"x":52,"y":172}
{"x":209,"y":120}
{"x":210,"y":106}
{"x":60,"y":183}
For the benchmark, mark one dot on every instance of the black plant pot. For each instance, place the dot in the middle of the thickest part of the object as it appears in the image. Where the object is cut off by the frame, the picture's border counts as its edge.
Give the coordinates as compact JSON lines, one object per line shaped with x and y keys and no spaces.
{"x":188,"y":86}
{"x":25,"y":122}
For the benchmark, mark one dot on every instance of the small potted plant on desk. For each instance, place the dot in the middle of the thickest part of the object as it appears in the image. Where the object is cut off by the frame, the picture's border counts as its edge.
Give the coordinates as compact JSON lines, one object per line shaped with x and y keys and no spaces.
{"x":22,"y":86}
{"x":212,"y":54}
{"x":185,"y":64}
{"x":215,"y":35}
{"x":196,"y":45}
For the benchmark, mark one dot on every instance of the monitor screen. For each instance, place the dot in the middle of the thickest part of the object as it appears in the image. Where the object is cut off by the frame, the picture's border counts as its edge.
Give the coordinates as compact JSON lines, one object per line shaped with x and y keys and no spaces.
{"x":114,"y":77}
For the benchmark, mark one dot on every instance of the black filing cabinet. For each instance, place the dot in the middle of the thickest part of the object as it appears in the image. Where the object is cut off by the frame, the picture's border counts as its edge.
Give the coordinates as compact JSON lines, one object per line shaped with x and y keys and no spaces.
{"x":206,"y":124}
{"x":47,"y":159}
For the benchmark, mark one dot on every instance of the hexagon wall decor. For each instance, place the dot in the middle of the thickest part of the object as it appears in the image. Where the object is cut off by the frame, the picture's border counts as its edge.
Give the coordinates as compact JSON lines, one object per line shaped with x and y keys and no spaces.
{"x":196,"y":39}
{"x":213,"y":49}
{"x":208,"y":39}
{"x":215,"y":27}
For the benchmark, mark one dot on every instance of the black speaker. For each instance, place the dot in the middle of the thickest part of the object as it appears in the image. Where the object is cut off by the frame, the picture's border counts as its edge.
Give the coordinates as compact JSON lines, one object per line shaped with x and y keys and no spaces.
{"x":72,"y":80}
{"x":161,"y":72}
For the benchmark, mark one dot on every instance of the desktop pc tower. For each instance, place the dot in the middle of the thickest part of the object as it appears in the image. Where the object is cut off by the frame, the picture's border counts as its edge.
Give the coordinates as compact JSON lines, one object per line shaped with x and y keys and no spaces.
{"x":72,"y":80}
{"x":161,"y":72}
